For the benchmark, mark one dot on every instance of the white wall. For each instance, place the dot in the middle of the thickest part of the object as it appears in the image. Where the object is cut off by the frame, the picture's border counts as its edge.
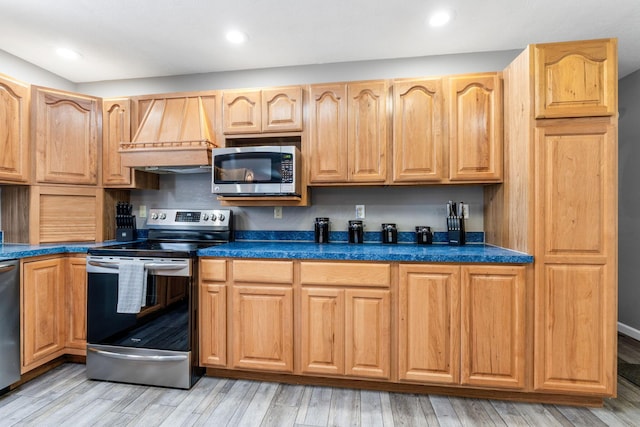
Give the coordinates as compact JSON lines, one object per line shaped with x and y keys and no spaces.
{"x":17,"y":68}
{"x":406,"y":206}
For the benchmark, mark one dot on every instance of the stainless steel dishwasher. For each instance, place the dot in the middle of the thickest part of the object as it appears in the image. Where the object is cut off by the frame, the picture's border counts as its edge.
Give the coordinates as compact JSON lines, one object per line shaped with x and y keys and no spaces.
{"x":9,"y":323}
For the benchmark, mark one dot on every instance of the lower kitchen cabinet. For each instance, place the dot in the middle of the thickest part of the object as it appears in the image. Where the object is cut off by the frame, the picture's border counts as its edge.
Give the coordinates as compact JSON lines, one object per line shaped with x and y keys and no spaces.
{"x":213,"y":312}
{"x":43,"y":315}
{"x":345,"y":330}
{"x":262,"y":315}
{"x":429,"y":319}
{"x":76,"y":304}
{"x":462,"y":325}
{"x":493,"y":326}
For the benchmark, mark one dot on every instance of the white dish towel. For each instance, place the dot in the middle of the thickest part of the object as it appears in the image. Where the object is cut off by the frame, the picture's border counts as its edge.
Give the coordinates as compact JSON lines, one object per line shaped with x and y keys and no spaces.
{"x":132,"y":286}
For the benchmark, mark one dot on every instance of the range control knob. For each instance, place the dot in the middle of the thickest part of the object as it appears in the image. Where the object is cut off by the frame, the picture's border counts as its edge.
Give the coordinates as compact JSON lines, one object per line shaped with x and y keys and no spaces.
{"x":154,"y":216}
{"x":163,"y":215}
{"x":221,"y":217}
{"x":205,"y":217}
{"x":214,"y":218}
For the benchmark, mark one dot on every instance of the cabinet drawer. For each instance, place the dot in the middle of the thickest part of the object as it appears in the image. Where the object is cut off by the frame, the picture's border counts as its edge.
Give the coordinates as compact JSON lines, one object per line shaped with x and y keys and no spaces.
{"x":263,"y":271}
{"x":214,"y":270}
{"x":351,"y":274}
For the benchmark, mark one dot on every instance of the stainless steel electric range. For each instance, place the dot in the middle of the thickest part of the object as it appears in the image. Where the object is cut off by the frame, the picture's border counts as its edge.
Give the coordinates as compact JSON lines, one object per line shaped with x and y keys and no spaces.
{"x":142,"y":300}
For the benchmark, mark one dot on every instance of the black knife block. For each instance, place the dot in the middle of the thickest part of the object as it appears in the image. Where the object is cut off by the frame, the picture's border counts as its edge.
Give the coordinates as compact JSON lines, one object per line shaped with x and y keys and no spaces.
{"x":126,"y":234}
{"x":455,"y":230}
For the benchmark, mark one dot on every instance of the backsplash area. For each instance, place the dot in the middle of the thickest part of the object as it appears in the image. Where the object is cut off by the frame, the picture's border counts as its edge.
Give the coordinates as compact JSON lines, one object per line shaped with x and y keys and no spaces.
{"x":405,"y":206}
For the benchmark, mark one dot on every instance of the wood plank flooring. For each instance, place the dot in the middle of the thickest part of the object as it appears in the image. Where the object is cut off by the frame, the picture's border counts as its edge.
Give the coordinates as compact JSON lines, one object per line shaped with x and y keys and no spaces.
{"x":64,"y":397}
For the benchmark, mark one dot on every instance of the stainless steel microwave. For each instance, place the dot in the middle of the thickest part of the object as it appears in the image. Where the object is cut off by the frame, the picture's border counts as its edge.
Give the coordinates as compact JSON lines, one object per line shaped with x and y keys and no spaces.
{"x":256,"y":171}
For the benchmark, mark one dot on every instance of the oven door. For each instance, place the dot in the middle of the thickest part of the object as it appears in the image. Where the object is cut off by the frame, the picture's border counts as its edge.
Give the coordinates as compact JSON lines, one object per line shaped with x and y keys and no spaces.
{"x":153,"y":347}
{"x":163,"y":323}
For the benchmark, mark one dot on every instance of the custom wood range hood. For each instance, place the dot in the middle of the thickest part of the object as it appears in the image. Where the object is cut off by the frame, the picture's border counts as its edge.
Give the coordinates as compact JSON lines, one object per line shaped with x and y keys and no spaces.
{"x":176,"y":135}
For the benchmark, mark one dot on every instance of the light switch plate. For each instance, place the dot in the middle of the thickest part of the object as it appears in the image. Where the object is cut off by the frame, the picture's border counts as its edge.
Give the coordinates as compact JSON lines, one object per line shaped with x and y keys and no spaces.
{"x":359,"y":211}
{"x":277,"y":212}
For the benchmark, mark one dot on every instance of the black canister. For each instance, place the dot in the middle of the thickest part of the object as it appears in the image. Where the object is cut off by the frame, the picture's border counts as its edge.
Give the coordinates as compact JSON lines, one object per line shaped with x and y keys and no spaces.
{"x":321,"y":230}
{"x":389,"y":233}
{"x":356,"y":231}
{"x":424,"y":236}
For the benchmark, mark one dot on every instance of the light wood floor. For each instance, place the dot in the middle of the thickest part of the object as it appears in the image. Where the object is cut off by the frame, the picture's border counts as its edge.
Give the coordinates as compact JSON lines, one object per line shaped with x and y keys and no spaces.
{"x":64,"y":396}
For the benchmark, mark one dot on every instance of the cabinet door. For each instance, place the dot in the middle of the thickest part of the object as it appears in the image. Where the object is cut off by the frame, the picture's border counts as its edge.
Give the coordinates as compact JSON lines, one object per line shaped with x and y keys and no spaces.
{"x":116,"y":127}
{"x":322,"y":331}
{"x":576,"y":79}
{"x":66,"y":138}
{"x":263,"y":327}
{"x":282,"y":109}
{"x":328,"y":149}
{"x":213,"y":312}
{"x":475,"y":127}
{"x":418,"y":130}
{"x":43,"y":314}
{"x":493,"y":326}
{"x":76,"y":298}
{"x":367,"y":131}
{"x":14,"y":131}
{"x":576,"y":256}
{"x":367,"y":333}
{"x":429,"y":324}
{"x":242,"y":112}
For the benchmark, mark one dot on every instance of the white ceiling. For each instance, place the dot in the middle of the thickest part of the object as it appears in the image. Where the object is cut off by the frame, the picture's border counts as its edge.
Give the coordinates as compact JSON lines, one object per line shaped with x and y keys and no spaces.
{"x":122,"y":39}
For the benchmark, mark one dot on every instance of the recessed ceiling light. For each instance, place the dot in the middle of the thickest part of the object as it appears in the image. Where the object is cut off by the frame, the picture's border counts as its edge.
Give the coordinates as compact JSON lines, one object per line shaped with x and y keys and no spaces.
{"x":440,"y":18}
{"x":236,"y":37}
{"x":67,"y":53}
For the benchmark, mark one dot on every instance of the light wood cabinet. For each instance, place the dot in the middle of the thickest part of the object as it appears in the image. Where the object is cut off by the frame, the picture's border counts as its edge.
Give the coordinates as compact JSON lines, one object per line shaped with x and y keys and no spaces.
{"x":14,"y":130}
{"x":42,"y":311}
{"x":345,"y":319}
{"x":418,"y":130}
{"x":429,"y":323}
{"x":349,"y":141}
{"x":76,"y":304}
{"x":493,"y":326}
{"x":559,"y":203}
{"x":116,"y":128}
{"x":212,"y":318}
{"x":576,"y":79}
{"x":328,"y":149}
{"x":66,"y":137}
{"x":576,"y":306}
{"x":462,"y":325}
{"x":262,"y":315}
{"x":268,"y":110}
{"x":475,"y":127}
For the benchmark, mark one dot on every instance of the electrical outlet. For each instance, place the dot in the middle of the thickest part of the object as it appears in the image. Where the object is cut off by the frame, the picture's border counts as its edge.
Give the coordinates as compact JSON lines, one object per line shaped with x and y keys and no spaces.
{"x":142,"y":211}
{"x":465,"y":211}
{"x":359,"y":211}
{"x":277,"y":212}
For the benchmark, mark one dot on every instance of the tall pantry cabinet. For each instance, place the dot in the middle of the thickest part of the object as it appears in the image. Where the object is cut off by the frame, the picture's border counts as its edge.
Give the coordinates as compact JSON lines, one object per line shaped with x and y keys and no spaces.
{"x":559,"y":202}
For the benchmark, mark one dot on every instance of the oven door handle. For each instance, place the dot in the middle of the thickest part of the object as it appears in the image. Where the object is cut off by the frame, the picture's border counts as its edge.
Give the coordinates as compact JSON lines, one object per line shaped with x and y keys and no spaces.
{"x":138,"y":357}
{"x":6,"y":267}
{"x":148,"y":266}
{"x":113,"y":265}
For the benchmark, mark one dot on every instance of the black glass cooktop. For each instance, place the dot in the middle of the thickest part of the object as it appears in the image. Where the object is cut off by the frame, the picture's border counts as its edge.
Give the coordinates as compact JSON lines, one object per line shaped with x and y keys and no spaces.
{"x":155,"y":249}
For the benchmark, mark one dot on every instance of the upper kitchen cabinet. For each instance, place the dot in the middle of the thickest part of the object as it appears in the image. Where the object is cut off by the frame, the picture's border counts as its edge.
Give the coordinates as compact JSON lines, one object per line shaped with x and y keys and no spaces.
{"x":14,"y":131}
{"x":116,"y":128}
{"x":66,"y":137}
{"x":475,"y":127}
{"x":418,"y":130}
{"x":348,"y":133}
{"x":268,"y":110}
{"x":576,"y":79}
